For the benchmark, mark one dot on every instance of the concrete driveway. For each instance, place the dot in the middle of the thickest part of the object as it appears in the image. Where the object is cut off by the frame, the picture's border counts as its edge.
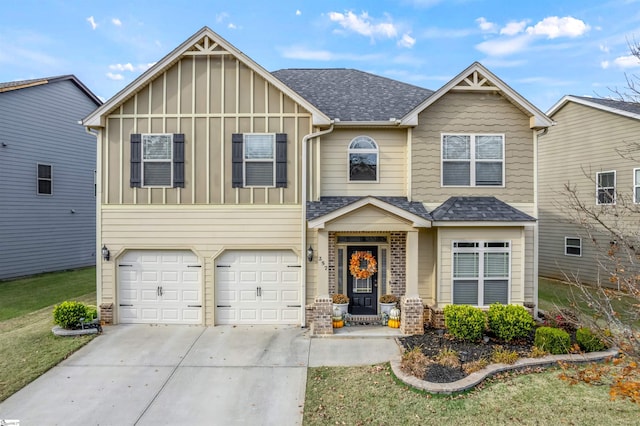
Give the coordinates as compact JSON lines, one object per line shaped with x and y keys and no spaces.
{"x":187,"y":375}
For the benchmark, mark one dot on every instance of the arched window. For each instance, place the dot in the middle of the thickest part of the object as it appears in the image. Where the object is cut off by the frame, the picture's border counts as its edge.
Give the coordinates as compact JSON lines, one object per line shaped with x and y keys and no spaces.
{"x":363,"y":160}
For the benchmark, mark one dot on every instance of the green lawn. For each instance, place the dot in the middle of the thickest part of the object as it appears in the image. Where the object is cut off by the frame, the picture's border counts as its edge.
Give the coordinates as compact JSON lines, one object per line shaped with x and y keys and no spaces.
{"x":21,"y":296}
{"x":28,"y":348}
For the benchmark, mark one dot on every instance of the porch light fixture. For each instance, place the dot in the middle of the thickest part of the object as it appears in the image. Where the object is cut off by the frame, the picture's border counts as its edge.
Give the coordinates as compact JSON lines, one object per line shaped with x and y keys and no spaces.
{"x":105,"y":253}
{"x":310,"y":254}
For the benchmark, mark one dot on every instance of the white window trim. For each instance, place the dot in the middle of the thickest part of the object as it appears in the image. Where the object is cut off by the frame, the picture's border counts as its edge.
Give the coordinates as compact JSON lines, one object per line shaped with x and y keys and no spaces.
{"x":615,"y":183}
{"x":143,"y":161}
{"x":636,"y":185}
{"x":472,"y":160}
{"x":38,"y":179}
{"x":258,"y":160}
{"x":481,"y":249}
{"x":363,"y":151}
{"x":566,"y":245}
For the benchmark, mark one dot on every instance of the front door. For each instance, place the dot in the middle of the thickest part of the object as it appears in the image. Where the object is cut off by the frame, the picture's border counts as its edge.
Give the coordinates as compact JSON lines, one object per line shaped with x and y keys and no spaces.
{"x":362,"y":280}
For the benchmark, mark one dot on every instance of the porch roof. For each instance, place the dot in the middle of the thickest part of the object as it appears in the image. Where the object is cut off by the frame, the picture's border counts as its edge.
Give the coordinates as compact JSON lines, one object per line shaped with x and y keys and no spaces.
{"x":478,"y":209}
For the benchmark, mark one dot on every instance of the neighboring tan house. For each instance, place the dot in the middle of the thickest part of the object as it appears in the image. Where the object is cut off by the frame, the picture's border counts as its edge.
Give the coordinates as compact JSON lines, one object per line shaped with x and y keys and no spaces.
{"x":231,"y":195}
{"x":47,"y":176}
{"x":588,"y":149}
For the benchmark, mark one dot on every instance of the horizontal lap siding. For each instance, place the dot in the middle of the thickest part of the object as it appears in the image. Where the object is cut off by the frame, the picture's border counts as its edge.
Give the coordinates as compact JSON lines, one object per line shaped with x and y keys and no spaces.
{"x":427,"y":265}
{"x":472,"y":113}
{"x":39,"y":233}
{"x":208,"y":231}
{"x":584,"y":141}
{"x":392,"y":172}
{"x":369,"y":219}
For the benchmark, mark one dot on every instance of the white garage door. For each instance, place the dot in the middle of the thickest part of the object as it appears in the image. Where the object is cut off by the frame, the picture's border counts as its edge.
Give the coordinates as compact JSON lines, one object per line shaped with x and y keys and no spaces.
{"x":258,"y":287}
{"x":160,"y":287}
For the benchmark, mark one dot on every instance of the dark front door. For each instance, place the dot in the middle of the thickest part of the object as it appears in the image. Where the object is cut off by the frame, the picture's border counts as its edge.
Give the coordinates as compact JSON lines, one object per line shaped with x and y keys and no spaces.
{"x":362,"y":292}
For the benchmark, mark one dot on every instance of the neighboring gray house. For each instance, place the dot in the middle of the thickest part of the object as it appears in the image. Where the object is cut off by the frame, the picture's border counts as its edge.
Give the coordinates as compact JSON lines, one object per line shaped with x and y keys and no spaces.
{"x":47,"y":166}
{"x":588,"y":149}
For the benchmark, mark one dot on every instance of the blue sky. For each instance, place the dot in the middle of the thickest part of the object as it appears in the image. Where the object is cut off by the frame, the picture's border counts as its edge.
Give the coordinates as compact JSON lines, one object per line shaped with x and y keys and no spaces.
{"x":543,"y":49}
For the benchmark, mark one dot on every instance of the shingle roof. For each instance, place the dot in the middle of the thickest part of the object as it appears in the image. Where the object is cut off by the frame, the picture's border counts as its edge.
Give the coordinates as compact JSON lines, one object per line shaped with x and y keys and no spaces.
{"x":22,"y":84}
{"x":632,"y":107}
{"x":478,"y":209}
{"x":327,"y":205}
{"x":352,"y":95}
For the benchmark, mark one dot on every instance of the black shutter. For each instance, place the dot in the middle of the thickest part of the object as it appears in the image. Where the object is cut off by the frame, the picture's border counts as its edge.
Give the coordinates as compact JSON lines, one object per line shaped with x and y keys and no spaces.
{"x":236,"y":160}
{"x":178,"y":160}
{"x":281,"y":160}
{"x":136,"y":157}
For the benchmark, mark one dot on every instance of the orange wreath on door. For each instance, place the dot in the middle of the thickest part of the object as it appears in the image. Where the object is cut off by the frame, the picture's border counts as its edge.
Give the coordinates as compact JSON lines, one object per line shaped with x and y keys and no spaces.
{"x":356,"y":261}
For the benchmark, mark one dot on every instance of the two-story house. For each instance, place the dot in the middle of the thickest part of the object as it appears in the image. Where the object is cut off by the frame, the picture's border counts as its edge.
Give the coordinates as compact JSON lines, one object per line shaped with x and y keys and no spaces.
{"x":47,"y":176}
{"x":590,"y":152}
{"x":232,"y":195}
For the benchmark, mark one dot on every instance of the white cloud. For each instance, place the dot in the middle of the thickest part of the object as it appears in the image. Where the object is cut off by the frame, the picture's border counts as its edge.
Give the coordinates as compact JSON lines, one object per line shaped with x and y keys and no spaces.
{"x":504,"y":46}
{"x":406,"y":41}
{"x":486,"y":26}
{"x":221,"y":16}
{"x":116,"y":76}
{"x":298,"y":12}
{"x":130,"y":67}
{"x":604,"y":65}
{"x":604,"y":48}
{"x":627,"y":61}
{"x":554,"y":27}
{"x":363,"y":24}
{"x":92,"y":21}
{"x":302,"y":53}
{"x":231,"y":26}
{"x":116,"y":22}
{"x":513,"y":28}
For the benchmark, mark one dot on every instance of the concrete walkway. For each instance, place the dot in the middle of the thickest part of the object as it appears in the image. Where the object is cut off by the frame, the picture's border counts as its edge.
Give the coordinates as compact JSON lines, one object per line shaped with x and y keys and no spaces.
{"x":155,"y":375}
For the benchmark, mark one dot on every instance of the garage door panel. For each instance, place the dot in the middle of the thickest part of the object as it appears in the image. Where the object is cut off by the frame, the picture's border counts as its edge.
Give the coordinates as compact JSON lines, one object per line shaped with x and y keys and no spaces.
{"x":160,"y":285}
{"x":264,"y":284}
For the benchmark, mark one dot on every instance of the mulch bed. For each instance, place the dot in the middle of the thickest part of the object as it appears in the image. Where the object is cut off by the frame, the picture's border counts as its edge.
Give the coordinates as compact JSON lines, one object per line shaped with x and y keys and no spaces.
{"x":432,"y":342}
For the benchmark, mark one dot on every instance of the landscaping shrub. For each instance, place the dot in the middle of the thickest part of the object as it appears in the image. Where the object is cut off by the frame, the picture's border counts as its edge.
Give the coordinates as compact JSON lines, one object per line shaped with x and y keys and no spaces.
{"x":553,"y":340}
{"x":68,"y":314}
{"x":464,"y":321}
{"x":448,"y":357}
{"x":414,"y":362}
{"x":509,"y":322}
{"x":473,"y":366}
{"x":588,"y":341}
{"x":504,"y":356}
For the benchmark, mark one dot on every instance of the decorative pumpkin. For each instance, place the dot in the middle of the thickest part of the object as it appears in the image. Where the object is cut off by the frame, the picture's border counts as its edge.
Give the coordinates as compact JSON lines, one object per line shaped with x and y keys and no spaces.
{"x":337,"y":312}
{"x":362,"y":265}
{"x":394,"y":313}
{"x":394,"y":323}
{"x":338,"y":323}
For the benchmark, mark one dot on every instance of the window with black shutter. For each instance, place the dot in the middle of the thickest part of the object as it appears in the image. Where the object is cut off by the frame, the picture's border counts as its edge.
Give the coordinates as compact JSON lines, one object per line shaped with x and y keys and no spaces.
{"x":157,"y":160}
{"x":259,"y":160}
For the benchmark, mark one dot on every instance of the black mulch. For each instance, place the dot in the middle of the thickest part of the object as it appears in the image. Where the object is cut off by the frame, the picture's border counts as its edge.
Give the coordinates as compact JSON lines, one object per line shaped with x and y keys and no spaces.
{"x":432,"y":342}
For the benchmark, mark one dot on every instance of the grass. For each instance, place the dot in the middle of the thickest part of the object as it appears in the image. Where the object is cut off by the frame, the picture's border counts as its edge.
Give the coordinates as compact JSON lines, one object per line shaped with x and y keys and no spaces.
{"x":371,"y":395}
{"x":25,"y":295}
{"x":28,"y":348}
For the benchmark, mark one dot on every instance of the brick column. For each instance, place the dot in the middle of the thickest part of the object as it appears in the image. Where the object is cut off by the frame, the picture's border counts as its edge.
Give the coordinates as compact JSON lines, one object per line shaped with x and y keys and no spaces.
{"x":412,"y":317}
{"x":106,"y":313}
{"x":322,"y":310}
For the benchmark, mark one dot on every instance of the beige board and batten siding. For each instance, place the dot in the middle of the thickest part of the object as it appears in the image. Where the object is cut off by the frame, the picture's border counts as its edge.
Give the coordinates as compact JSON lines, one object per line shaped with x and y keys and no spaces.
{"x":518,"y":259}
{"x":208,"y":99}
{"x":584,"y":141}
{"x":207,"y":231}
{"x":472,"y":113}
{"x":334,"y":163}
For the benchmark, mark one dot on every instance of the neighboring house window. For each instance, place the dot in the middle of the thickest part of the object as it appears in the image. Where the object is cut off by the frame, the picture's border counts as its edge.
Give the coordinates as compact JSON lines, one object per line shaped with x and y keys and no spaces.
{"x":259,"y":160}
{"x":572,"y":246}
{"x":157,"y":160}
{"x":472,"y":160}
{"x":481,"y":272}
{"x":636,"y":186}
{"x":363,"y":160}
{"x":606,"y":187}
{"x":45,"y":179}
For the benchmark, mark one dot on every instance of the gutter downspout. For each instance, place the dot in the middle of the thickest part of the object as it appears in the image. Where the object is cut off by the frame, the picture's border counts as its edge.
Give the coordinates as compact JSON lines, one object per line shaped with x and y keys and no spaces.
{"x":303,"y":249}
{"x":98,"y":223}
{"x":536,"y":232}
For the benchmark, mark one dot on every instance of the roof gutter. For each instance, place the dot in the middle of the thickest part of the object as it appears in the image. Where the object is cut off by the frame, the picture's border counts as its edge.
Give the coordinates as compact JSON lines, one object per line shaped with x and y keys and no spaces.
{"x":303,"y":225}
{"x":392,"y":122}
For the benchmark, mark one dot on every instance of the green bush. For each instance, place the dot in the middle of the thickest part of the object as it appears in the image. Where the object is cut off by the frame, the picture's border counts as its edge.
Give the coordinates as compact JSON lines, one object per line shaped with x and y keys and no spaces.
{"x":588,"y":341}
{"x":509,"y":322}
{"x":552,"y":340}
{"x":68,"y":314}
{"x":464,"y":321}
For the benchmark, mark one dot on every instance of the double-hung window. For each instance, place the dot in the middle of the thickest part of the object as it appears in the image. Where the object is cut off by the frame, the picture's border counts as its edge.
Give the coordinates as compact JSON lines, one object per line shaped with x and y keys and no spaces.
{"x":363,"y":160}
{"x":572,"y":246}
{"x":157,"y":160}
{"x":472,"y":160}
{"x":636,"y":186}
{"x":481,"y":272}
{"x":45,"y":180}
{"x":259,"y":160}
{"x":606,"y":187}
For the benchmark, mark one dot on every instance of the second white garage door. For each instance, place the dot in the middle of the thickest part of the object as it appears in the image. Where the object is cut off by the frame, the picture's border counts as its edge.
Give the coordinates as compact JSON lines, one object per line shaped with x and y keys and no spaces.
{"x":258,"y":287}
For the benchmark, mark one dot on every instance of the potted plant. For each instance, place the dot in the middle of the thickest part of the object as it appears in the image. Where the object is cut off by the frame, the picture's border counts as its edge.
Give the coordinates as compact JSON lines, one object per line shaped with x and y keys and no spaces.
{"x":387,"y":302}
{"x":341,"y":302}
